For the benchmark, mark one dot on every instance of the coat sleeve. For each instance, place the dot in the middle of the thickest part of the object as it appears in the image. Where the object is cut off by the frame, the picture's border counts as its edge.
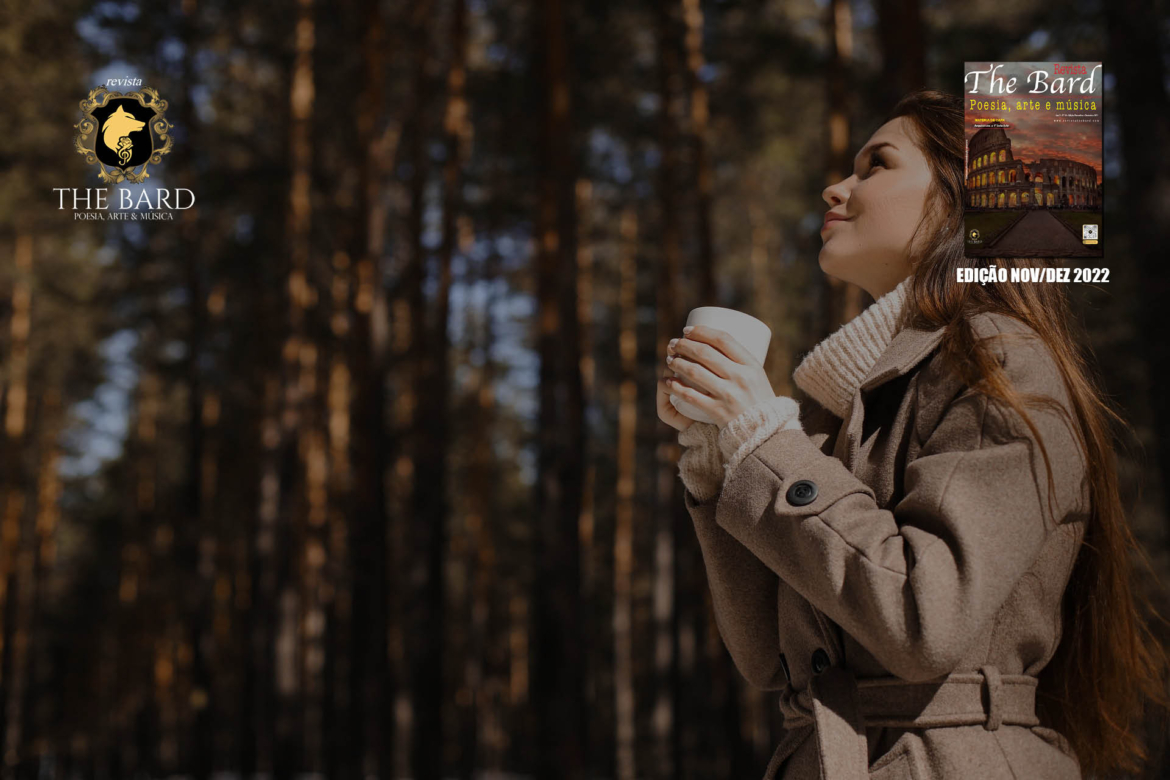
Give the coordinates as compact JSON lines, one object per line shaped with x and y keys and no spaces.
{"x":743,"y":589}
{"x":743,"y":598}
{"x":913,"y":584}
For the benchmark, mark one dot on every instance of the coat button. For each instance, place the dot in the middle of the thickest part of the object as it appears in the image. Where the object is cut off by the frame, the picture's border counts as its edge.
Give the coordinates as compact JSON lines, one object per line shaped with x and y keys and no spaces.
{"x":784,"y":665}
{"x":820,"y":660}
{"x":802,"y":492}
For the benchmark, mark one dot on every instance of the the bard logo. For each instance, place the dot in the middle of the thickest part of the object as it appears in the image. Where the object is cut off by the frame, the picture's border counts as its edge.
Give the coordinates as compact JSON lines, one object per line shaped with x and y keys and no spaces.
{"x":1089,"y":234}
{"x":974,"y":235}
{"x":123,"y":132}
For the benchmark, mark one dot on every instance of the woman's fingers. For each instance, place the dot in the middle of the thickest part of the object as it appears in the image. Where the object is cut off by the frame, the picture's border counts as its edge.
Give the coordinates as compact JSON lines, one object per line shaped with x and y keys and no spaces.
{"x":689,"y":394}
{"x":714,"y":342}
{"x":695,"y":373}
{"x":666,"y":411}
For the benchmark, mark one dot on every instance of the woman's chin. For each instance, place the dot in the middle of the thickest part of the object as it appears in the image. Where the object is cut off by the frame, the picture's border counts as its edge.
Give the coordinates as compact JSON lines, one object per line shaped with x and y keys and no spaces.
{"x":829,"y":260}
{"x":835,"y":265}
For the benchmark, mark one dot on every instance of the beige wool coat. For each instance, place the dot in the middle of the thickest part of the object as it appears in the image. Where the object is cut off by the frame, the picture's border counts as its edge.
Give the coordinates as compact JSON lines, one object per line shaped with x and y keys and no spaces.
{"x":897,"y":575}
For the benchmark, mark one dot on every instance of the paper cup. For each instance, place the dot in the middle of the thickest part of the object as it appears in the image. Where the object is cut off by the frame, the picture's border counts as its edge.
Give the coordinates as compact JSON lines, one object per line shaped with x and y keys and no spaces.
{"x":753,"y":334}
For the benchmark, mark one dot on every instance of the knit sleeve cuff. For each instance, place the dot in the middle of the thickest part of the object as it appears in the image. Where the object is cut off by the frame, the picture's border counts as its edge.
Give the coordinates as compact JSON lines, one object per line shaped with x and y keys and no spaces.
{"x":701,"y":464}
{"x":740,"y":436}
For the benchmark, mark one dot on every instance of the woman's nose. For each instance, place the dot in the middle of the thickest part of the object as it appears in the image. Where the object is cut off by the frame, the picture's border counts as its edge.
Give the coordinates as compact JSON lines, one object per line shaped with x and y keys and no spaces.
{"x":836,"y":193}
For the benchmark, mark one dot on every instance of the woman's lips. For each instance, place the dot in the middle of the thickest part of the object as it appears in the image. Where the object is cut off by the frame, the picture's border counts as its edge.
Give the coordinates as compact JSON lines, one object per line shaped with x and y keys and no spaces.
{"x":832,"y":222}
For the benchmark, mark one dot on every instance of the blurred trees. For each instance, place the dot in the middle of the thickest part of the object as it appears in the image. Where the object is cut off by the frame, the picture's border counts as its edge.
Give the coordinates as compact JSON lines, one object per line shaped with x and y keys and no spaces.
{"x":354,"y":468}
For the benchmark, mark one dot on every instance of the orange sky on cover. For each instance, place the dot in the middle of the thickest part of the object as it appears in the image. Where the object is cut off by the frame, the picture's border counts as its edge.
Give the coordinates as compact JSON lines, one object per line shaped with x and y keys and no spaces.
{"x":1035,"y":135}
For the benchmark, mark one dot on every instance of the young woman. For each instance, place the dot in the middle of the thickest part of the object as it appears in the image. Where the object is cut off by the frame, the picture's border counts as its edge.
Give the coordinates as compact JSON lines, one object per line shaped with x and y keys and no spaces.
{"x":934,"y":577}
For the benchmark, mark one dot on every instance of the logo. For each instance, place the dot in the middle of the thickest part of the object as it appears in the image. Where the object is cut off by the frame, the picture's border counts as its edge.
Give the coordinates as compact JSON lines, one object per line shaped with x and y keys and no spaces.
{"x":973,"y":234}
{"x":123,"y":131}
{"x":1089,"y":234}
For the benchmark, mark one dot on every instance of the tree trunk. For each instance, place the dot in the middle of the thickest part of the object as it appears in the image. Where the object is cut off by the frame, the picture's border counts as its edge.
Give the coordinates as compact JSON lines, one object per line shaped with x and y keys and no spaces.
{"x":903,"y":53}
{"x":557,"y":679}
{"x":667,"y":691}
{"x":623,"y":544}
{"x":704,"y":174}
{"x":368,"y":742}
{"x":1144,"y":110}
{"x":586,"y":524}
{"x":15,"y":491}
{"x":36,"y":707}
{"x":431,"y":508}
{"x":199,"y":539}
{"x":298,"y":372}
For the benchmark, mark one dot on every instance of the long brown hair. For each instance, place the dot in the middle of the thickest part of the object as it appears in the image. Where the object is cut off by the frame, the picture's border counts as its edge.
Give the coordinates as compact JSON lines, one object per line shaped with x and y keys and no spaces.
{"x":1109,"y":665}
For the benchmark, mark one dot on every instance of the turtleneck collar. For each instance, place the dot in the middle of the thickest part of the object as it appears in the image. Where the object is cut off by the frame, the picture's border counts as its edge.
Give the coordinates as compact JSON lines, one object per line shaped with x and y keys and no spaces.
{"x":836,"y":367}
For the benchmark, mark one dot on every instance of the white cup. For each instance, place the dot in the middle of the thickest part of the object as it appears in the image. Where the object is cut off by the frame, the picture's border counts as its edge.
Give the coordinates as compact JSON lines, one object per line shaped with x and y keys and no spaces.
{"x":753,"y":334}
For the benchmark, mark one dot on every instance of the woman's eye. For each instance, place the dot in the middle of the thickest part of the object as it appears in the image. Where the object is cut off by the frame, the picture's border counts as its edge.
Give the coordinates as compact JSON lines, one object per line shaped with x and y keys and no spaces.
{"x":875,"y":160}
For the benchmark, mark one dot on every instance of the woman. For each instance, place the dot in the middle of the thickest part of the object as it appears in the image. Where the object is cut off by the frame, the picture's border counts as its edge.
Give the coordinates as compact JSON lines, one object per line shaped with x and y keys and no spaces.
{"x":933,"y":576}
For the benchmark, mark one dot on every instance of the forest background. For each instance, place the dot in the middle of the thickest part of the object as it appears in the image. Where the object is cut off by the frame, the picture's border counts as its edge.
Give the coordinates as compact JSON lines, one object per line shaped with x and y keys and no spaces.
{"x":353,"y":469}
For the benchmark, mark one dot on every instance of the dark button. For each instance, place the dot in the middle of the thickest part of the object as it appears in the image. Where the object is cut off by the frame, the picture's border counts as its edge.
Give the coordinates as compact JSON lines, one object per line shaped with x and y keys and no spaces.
{"x":820,"y":660}
{"x":802,"y":492}
{"x":784,"y":664}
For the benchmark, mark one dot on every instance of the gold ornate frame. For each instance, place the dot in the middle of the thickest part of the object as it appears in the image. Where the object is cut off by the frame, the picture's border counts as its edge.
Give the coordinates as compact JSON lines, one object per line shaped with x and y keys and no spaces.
{"x":99,"y":97}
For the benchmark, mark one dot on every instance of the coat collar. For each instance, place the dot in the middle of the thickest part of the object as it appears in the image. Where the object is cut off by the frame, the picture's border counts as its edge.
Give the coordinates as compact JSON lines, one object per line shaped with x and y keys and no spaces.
{"x":832,"y":372}
{"x":906,"y":350}
{"x":908,"y":347}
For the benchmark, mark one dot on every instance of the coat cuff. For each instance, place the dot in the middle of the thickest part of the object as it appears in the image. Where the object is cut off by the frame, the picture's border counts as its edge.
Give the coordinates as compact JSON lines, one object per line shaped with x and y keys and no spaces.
{"x":739,"y":437}
{"x":701,"y":463}
{"x":757,"y":494}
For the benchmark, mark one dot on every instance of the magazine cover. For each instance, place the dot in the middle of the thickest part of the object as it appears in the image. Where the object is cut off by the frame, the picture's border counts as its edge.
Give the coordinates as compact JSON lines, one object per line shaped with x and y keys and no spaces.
{"x":1034,"y":175}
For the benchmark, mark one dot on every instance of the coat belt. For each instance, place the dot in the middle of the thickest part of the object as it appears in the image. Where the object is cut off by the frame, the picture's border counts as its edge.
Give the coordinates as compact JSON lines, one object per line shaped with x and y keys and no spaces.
{"x":840,"y":707}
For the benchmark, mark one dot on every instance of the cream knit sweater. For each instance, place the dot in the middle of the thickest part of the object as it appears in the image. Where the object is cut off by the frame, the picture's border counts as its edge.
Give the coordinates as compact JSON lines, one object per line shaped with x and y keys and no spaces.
{"x":830,"y":373}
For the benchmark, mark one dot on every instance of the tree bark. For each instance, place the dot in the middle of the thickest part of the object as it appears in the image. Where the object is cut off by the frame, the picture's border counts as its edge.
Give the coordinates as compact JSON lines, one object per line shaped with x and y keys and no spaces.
{"x":704,"y":173}
{"x":13,"y":550}
{"x":623,"y":544}
{"x":371,"y":690}
{"x":557,"y":675}
{"x":297,"y":378}
{"x":666,"y":716}
{"x":1144,"y":110}
{"x":900,"y":33}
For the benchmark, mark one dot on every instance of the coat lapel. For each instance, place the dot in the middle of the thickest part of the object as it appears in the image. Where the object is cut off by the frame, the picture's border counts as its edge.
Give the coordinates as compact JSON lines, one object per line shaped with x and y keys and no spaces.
{"x":906,"y":350}
{"x":908,"y":347}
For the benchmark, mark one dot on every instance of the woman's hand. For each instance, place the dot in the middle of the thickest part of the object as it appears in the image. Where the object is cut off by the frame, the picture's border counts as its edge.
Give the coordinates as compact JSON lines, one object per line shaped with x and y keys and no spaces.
{"x":717,"y":373}
{"x":666,"y":411}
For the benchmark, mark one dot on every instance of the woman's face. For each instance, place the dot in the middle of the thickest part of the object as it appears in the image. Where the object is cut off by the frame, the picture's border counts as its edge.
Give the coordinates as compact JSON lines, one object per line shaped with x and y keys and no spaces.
{"x":882,"y":203}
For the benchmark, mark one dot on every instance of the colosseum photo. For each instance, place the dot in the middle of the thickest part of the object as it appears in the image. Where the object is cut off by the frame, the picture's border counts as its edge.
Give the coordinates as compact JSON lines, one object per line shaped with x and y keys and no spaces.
{"x":998,"y":180}
{"x":1050,"y":206}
